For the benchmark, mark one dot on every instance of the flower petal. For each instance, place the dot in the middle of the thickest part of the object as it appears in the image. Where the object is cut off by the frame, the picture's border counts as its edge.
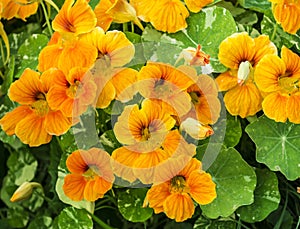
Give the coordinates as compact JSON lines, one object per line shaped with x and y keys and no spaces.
{"x":275,"y":106}
{"x":74,"y":186}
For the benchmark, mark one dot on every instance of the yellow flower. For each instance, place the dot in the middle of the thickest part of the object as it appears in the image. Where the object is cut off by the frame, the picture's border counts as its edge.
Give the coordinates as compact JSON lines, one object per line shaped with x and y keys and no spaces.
{"x":118,"y":11}
{"x":287,"y":14}
{"x":175,"y":196}
{"x":280,"y":80}
{"x":241,"y":53}
{"x":75,"y":18}
{"x":19,"y":9}
{"x":148,"y":141}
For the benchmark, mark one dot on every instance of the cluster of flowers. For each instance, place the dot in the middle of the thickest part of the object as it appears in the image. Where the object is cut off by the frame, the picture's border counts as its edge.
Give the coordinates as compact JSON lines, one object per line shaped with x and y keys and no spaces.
{"x":83,"y":66}
{"x":258,"y":79}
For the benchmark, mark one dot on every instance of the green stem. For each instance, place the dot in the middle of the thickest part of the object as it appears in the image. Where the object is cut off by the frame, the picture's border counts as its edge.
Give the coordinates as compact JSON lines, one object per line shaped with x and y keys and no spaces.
{"x":132,"y":27}
{"x":47,"y":18}
{"x":274,"y":32}
{"x":99,"y":221}
{"x":278,"y":224}
{"x":125,"y":27}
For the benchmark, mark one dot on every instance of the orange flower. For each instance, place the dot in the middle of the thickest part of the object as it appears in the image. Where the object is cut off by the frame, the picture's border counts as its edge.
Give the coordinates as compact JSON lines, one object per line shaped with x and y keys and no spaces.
{"x":279,"y":79}
{"x":166,"y":83}
{"x":19,"y":9}
{"x":175,"y":196}
{"x":241,"y":53}
{"x":148,"y":140}
{"x":34,"y":122}
{"x":196,"y":129}
{"x":65,"y":54}
{"x":73,"y":93}
{"x":204,"y":96}
{"x":194,"y":57}
{"x":287,"y":14}
{"x":113,"y":46}
{"x":118,"y":11}
{"x":74,"y":18}
{"x":91,"y":175}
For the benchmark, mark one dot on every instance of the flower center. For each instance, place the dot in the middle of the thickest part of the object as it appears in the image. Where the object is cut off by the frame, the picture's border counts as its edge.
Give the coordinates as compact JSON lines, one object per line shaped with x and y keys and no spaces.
{"x":289,"y":84}
{"x":40,"y":106}
{"x":244,"y":72}
{"x":73,"y":89}
{"x":145,"y":134}
{"x":195,"y":95}
{"x":92,"y":172}
{"x":178,"y":184}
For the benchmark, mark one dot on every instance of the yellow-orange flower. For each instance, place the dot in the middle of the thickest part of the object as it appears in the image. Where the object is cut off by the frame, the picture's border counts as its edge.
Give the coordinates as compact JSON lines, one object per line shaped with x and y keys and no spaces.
{"x":73,"y":93}
{"x":175,"y":196}
{"x":118,"y":11}
{"x":280,"y":80}
{"x":65,"y":54}
{"x":91,"y":175}
{"x":148,"y":141}
{"x":287,"y":14}
{"x":196,"y":5}
{"x":166,"y":83}
{"x":241,"y":53}
{"x":75,"y":18}
{"x":112,"y":46}
{"x":34,"y":122}
{"x":19,"y":9}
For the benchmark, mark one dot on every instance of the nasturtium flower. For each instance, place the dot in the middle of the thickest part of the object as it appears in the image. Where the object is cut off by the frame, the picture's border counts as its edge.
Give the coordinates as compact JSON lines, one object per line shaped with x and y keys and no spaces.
{"x":34,"y":122}
{"x":72,"y":93}
{"x":241,"y":53}
{"x":196,"y":129}
{"x":75,"y":17}
{"x":112,"y":46}
{"x":204,"y":97}
{"x":287,"y":14}
{"x":18,"y":8}
{"x":118,"y":11}
{"x":196,"y":5}
{"x":279,"y":78}
{"x":175,"y":196}
{"x":91,"y":175}
{"x":193,"y":56}
{"x":148,"y":140}
{"x":65,"y":54}
{"x":166,"y":83}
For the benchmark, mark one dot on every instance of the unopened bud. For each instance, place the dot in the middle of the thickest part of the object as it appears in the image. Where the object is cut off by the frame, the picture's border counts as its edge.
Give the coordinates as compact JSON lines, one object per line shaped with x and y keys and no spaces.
{"x":243,"y":72}
{"x":194,"y":57}
{"x":24,"y":191}
{"x":195,"y":129}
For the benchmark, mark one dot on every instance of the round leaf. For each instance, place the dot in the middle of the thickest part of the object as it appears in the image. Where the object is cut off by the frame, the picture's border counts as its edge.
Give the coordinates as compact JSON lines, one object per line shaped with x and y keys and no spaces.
{"x":73,"y":218}
{"x":266,"y":197}
{"x":277,"y":145}
{"x":130,"y":204}
{"x":235,"y":183}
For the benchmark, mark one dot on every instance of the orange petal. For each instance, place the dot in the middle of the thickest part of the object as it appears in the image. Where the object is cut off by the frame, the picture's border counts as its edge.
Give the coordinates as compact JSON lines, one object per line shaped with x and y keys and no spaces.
{"x":89,"y":191}
{"x":56,"y":123}
{"x":25,"y":90}
{"x":74,"y":186}
{"x":196,"y":5}
{"x":243,"y":100}
{"x":275,"y":106}
{"x":267,"y":73}
{"x":202,"y":188}
{"x":156,"y":196}
{"x":76,"y":163}
{"x":101,"y":185}
{"x":291,"y":60}
{"x":263,"y":46}
{"x":31,"y":130}
{"x":107,"y":94}
{"x":9,"y":121}
{"x":49,"y":57}
{"x":192,"y":165}
{"x":293,"y":107}
{"x":179,"y":206}
{"x":235,"y":49}
{"x":104,"y":20}
{"x":227,"y":80}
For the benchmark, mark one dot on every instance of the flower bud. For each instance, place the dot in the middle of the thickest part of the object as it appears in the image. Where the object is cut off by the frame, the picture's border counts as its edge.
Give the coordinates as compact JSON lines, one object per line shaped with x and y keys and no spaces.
{"x":195,"y":129}
{"x":243,"y":72}
{"x":194,"y":57}
{"x":24,"y":191}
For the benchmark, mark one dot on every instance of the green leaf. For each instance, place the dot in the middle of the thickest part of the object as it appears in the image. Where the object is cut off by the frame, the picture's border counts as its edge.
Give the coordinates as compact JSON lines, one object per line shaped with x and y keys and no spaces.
{"x":235,"y":183}
{"x":257,"y":5}
{"x":221,"y":223}
{"x":130,"y":204}
{"x":109,"y":141}
{"x":41,"y":222}
{"x":22,"y":165}
{"x":206,"y":28}
{"x":266,"y":197}
{"x":17,"y":218}
{"x":73,"y":218}
{"x":277,"y":35}
{"x":29,"y":52}
{"x":277,"y":145}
